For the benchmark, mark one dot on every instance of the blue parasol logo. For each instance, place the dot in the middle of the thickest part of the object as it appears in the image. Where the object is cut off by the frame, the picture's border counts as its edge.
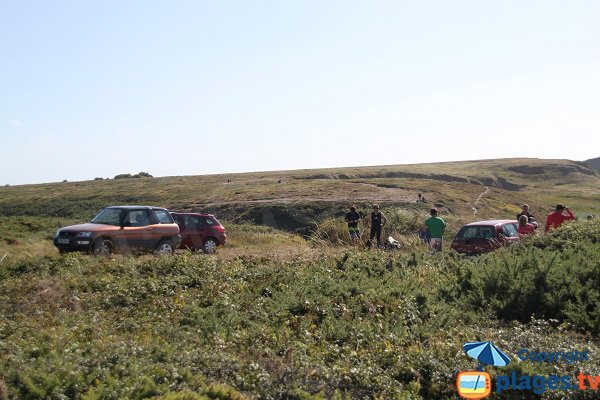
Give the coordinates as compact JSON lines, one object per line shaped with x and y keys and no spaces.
{"x":487,"y":354}
{"x":477,"y":385}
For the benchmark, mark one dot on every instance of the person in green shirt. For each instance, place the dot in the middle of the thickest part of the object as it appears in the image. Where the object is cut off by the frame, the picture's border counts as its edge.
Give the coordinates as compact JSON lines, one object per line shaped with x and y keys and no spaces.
{"x":436,"y":226}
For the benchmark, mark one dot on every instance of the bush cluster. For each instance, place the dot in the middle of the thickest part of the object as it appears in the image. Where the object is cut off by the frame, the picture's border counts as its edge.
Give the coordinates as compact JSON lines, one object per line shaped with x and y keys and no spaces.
{"x":138,"y":175}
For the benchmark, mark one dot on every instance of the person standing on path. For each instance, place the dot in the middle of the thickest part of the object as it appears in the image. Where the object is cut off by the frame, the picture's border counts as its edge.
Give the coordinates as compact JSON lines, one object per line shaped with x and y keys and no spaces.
{"x":352,"y":219}
{"x":378,"y":221}
{"x":436,"y":227}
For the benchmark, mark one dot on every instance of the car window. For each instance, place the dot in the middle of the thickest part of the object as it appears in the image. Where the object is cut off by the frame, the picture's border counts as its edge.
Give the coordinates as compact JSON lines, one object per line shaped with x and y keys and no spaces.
{"x":487,"y":232}
{"x":468,"y":232}
{"x":476,"y":232}
{"x":108,"y":216}
{"x":198,"y":222}
{"x":510,"y":230}
{"x":163,"y":217}
{"x":136,"y":218}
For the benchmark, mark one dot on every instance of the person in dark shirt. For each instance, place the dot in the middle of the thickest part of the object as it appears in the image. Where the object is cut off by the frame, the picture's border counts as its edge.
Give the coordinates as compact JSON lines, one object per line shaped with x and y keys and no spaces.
{"x":378,"y":221}
{"x":352,"y":219}
{"x":530,"y":218}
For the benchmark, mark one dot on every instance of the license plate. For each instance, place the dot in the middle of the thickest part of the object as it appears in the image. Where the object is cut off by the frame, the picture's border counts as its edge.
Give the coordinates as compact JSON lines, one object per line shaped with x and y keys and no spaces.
{"x":63,"y":241}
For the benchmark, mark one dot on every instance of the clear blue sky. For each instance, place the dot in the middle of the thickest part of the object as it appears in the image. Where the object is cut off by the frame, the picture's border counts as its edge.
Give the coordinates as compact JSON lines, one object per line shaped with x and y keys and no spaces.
{"x":97,"y":88}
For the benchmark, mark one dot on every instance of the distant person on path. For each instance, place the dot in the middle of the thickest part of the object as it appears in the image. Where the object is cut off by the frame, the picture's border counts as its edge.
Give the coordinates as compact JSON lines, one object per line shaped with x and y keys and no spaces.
{"x":378,"y":221}
{"x":525,"y":228}
{"x":557,"y":217}
{"x":352,"y":219}
{"x":424,"y":236}
{"x":530,"y":218}
{"x":436,"y":226}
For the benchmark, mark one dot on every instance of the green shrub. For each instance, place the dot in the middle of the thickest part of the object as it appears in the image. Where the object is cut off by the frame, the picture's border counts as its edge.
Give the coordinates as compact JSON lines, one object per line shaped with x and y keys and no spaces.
{"x":551,"y":276}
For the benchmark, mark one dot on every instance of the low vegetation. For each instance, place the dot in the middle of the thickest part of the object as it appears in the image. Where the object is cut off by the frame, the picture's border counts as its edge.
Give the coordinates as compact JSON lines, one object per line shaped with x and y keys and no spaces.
{"x":288,"y":309}
{"x":321,"y":322}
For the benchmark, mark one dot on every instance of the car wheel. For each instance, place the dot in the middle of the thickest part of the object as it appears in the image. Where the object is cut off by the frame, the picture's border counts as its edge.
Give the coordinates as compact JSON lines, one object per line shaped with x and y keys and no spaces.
{"x":209,"y":246}
{"x":102,"y":247}
{"x":165,"y":247}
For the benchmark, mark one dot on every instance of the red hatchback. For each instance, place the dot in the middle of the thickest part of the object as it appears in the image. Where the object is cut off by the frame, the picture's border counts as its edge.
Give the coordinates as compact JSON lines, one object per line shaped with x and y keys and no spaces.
{"x":485,"y":236}
{"x":200,"y":231}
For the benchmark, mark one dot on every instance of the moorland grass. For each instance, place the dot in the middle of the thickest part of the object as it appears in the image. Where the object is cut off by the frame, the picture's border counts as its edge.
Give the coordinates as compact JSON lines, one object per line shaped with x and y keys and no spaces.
{"x":318,"y":194}
{"x":339,"y":324}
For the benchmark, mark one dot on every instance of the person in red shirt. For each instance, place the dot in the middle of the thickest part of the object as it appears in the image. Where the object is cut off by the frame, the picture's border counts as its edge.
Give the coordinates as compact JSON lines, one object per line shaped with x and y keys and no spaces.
{"x":525,"y":228}
{"x":557,"y":217}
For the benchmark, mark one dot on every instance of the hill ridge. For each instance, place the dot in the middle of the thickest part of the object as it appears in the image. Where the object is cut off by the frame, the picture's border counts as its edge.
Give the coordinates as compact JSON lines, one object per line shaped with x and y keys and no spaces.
{"x":593,"y":163}
{"x":298,"y":196}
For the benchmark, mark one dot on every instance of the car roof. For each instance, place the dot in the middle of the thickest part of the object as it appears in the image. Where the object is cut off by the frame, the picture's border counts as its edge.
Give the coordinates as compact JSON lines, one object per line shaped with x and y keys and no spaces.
{"x":188,"y":213}
{"x":493,"y":222}
{"x":137,"y":208}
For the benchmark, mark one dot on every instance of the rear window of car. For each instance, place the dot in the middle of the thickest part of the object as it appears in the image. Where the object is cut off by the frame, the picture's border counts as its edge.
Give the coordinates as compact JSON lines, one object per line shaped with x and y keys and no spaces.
{"x":195,"y":221}
{"x":476,"y":232}
{"x":163,"y":217}
{"x":202,"y":222}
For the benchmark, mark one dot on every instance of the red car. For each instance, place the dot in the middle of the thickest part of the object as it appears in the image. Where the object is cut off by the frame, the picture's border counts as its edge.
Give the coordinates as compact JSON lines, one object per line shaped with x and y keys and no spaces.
{"x":485,"y":236}
{"x":200,"y":231}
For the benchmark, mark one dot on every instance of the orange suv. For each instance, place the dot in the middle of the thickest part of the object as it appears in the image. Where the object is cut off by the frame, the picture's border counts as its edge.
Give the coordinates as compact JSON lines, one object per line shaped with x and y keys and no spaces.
{"x":122,"y":229}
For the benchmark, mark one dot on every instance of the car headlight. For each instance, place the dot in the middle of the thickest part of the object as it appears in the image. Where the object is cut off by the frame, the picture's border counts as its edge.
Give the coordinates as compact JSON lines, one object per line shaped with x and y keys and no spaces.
{"x":84,"y":234}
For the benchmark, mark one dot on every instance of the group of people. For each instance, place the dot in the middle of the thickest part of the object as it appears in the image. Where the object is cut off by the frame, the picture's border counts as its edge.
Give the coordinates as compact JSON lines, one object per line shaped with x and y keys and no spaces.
{"x":433,"y":230}
{"x":377,"y":220}
{"x":528,"y":224}
{"x":376,"y":223}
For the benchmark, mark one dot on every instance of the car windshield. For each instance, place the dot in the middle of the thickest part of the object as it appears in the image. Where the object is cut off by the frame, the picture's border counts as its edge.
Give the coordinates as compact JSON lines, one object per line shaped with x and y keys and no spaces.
{"x":108,"y":216}
{"x":510,"y":230}
{"x":476,"y":232}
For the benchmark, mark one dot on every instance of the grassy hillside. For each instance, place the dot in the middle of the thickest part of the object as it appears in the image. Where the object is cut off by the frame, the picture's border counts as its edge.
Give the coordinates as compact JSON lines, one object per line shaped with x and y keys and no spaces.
{"x":294,"y":199}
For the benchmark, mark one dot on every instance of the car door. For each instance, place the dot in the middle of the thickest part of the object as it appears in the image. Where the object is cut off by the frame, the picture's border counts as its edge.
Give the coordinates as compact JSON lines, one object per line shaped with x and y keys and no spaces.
{"x":183,"y":222}
{"x":511,"y":233}
{"x":199,"y":230}
{"x":137,"y":230}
